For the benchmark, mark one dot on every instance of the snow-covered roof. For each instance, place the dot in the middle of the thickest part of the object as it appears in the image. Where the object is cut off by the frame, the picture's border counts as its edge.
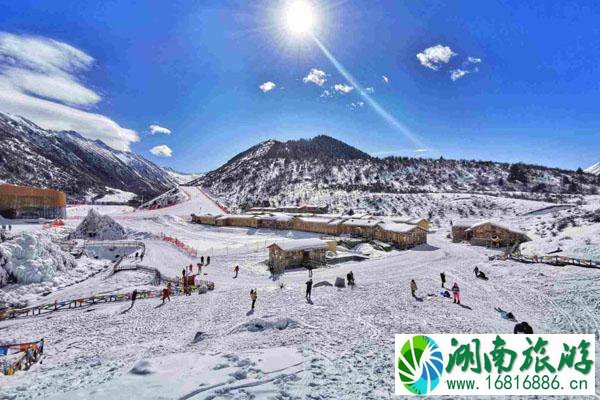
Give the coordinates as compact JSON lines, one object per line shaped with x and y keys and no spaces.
{"x":301,"y":244}
{"x":410,"y":221}
{"x":275,"y":217}
{"x":362,"y":222}
{"x":317,"y":220}
{"x":499,"y":225}
{"x":466,"y":223}
{"x":237,"y":216}
{"x":396,"y":227}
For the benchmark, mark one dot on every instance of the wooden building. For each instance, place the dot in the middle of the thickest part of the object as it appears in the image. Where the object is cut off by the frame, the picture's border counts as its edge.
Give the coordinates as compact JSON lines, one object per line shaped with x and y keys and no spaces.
{"x":297,"y":253}
{"x":22,"y":202}
{"x":315,"y":224}
{"x":403,"y":236}
{"x":358,"y":227}
{"x":205,"y":219}
{"x":487,"y":233}
{"x":238,"y":220}
{"x":275,"y":221}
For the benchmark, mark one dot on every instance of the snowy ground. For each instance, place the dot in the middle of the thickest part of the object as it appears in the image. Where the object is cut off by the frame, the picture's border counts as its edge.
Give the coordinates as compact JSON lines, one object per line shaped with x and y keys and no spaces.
{"x":340,"y":345}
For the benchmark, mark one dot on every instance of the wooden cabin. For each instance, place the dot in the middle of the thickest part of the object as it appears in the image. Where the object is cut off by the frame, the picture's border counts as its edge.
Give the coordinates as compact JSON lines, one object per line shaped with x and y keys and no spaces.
{"x":315,"y":224}
{"x":275,"y":221}
{"x":205,"y":219}
{"x":403,"y":236}
{"x":238,"y":220}
{"x":297,"y":253}
{"x":358,"y":227}
{"x":460,"y":230}
{"x":494,"y":234}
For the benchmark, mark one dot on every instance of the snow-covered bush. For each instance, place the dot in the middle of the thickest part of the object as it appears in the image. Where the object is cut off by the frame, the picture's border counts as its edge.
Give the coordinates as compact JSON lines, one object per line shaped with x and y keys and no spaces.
{"x":32,"y":258}
{"x":98,"y":227}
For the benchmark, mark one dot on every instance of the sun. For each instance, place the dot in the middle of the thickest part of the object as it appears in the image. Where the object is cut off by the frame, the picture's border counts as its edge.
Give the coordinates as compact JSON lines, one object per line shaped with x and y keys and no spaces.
{"x":300,"y":18}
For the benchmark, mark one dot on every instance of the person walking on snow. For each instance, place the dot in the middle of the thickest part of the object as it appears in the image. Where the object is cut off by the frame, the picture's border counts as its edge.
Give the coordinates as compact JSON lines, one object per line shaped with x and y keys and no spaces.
{"x":443,"y":277}
{"x":456,"y":293}
{"x":142,"y":257}
{"x":476,"y":270}
{"x":166,"y":292}
{"x":413,"y":287}
{"x":183,"y":273}
{"x":133,"y":297}
{"x":199,"y":268}
{"x":253,"y":297}
{"x":207,"y":260}
{"x":236,"y":270}
{"x":202,"y":259}
{"x":309,"y":284}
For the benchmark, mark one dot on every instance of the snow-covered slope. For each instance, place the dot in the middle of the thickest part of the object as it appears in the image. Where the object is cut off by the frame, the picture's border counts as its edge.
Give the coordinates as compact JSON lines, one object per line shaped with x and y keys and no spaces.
{"x":594,"y":169}
{"x":182,"y":178}
{"x":325,"y":170}
{"x":67,"y":161}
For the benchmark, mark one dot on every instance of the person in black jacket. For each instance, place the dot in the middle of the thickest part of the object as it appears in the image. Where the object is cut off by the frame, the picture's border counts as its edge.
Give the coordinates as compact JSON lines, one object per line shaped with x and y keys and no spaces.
{"x":523,"y":328}
{"x":443,"y":277}
{"x":309,"y":284}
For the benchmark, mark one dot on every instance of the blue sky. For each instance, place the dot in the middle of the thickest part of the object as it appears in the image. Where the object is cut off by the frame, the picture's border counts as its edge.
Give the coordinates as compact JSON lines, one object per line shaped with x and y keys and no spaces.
{"x":530,"y":93}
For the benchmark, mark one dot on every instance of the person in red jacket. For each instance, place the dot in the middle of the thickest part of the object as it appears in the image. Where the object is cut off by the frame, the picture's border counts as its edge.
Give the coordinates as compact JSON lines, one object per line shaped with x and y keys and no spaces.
{"x":456,"y":293}
{"x":166,"y":292}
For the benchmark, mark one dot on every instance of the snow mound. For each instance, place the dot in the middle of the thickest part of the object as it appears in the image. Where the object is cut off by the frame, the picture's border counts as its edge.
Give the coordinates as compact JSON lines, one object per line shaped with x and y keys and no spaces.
{"x":32,"y":258}
{"x":98,"y":227}
{"x":141,"y":367}
{"x":260,"y":325}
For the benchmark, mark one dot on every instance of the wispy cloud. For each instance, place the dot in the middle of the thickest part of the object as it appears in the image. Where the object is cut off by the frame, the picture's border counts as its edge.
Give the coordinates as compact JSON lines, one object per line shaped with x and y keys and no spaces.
{"x":326,"y":93}
{"x":458,"y":73}
{"x":41,"y":79}
{"x":315,"y":76}
{"x":267,"y":86}
{"x":370,"y":90}
{"x":385,"y":79}
{"x":357,"y":104}
{"x":154,"y":129}
{"x":162,"y":151}
{"x":421,"y":150}
{"x":340,"y":87}
{"x":433,"y":57}
{"x":474,"y":60}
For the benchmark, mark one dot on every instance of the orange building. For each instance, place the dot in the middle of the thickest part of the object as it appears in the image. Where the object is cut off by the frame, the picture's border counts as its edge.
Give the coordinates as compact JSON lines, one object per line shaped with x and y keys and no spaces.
{"x":19,"y":202}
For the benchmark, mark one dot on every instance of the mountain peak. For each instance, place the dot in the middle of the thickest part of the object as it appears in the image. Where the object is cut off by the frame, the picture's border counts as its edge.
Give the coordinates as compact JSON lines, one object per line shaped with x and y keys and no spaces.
{"x":594,"y":169}
{"x":318,"y":147}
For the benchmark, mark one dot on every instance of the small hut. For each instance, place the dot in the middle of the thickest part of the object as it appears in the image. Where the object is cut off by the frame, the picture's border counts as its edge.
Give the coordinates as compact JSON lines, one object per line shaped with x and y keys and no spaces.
{"x":460,"y":230}
{"x":295,"y":253}
{"x":494,"y":234}
{"x":315,"y":224}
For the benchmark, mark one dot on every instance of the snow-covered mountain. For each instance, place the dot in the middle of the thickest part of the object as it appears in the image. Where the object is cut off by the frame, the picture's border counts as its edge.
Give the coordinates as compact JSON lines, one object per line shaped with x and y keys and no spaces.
{"x":326,"y":170}
{"x":594,"y":169}
{"x":69,"y":162}
{"x":182,"y":177}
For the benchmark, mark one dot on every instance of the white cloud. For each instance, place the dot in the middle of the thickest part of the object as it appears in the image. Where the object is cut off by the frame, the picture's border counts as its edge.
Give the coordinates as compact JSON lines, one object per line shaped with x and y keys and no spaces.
{"x":421,"y":150}
{"x":357,"y":104}
{"x":315,"y":76}
{"x":370,"y":90}
{"x":458,"y":73}
{"x":385,"y":79}
{"x":340,"y":87}
{"x":434,"y":56}
{"x":326,"y":93}
{"x":474,"y":60}
{"x":41,"y":80}
{"x":162,"y":151}
{"x":267,"y":86}
{"x":154,"y":129}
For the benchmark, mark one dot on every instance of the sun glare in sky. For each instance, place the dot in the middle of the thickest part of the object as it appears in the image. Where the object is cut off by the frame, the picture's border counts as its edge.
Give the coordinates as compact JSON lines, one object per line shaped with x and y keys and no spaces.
{"x":300,"y":17}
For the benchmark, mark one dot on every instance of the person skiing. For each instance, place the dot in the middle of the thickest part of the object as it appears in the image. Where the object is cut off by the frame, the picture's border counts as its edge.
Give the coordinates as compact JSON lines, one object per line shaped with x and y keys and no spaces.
{"x":253,"y":296}
{"x":350,"y":278}
{"x":413,"y":287}
{"x":309,"y":284}
{"x":476,"y":270}
{"x":456,"y":293}
{"x":236,"y":270}
{"x":207,"y":260}
{"x":202,"y":259}
{"x":443,"y":277}
{"x":166,"y":292}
